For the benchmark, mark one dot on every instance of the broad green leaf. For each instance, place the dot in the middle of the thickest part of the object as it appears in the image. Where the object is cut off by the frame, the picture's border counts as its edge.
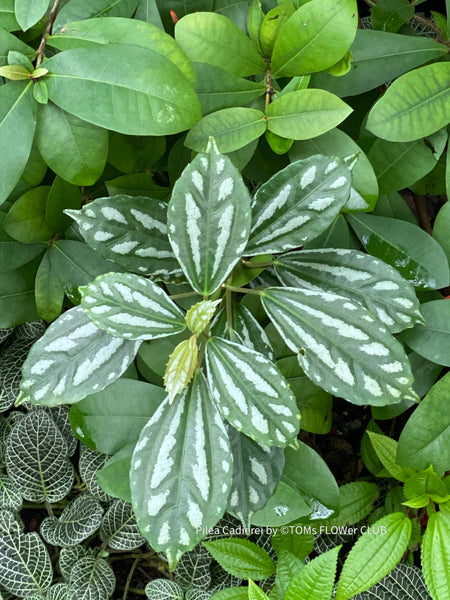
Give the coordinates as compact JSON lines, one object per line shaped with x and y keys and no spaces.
{"x":414,"y":253}
{"x":74,"y":149}
{"x":425,"y":438}
{"x":164,"y":589}
{"x":340,"y":345}
{"x":77,"y":10}
{"x":147,"y":11}
{"x":271,"y":25}
{"x":25,"y":563}
{"x":26,"y":220}
{"x":414,"y":106}
{"x":297,"y":204}
{"x":428,"y":340}
{"x":62,"y":195}
{"x":306,"y":113}
{"x":404,"y":582}
{"x":183,"y":487}
{"x":257,"y":471}
{"x":121,"y":91}
{"x":7,"y":18}
{"x":17,"y":122}
{"x":255,"y":18}
{"x":29,"y":12}
{"x":232,"y":128}
{"x":79,"y":520}
{"x":316,"y":580}
{"x":133,"y":153}
{"x":216,"y":40}
{"x":91,"y":578}
{"x":378,"y":57}
{"x":17,"y":303}
{"x":350,"y":273}
{"x":283,"y":507}
{"x":37,"y":459}
{"x":442,"y":221}
{"x":386,"y":450}
{"x":120,"y":304}
{"x":426,"y":483}
{"x":116,"y":30}
{"x":356,"y":502}
{"x":241,"y":558}
{"x":10,"y":43}
{"x":373,"y":556}
{"x":49,"y":290}
{"x":390,"y":15}
{"x":392,"y":205}
{"x":119,"y":527}
{"x":72,"y":360}
{"x":300,"y":545}
{"x":316,"y":37}
{"x":132,"y":232}
{"x":137,"y":184}
{"x":435,"y":555}
{"x":209,"y":220}
{"x":114,"y":477}
{"x":14,"y":254}
{"x":14,"y":72}
{"x":251,"y":393}
{"x":125,"y":421}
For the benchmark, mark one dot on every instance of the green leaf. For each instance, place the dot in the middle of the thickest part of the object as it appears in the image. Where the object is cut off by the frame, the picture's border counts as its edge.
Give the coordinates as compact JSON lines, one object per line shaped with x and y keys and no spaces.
{"x":271,"y":25}
{"x":17,"y":303}
{"x":316,"y":37}
{"x":7,"y":18}
{"x":232,"y":128}
{"x":40,"y":92}
{"x":233,"y":593}
{"x":255,"y":592}
{"x":436,"y":556}
{"x":373,"y":556}
{"x":414,"y":106}
{"x":181,"y":367}
{"x":147,"y":11}
{"x":356,"y":503}
{"x":49,"y":290}
{"x":156,"y":100}
{"x":426,"y":484}
{"x":316,"y":580}
{"x":386,"y":450}
{"x":297,"y":204}
{"x":390,"y":15}
{"x":306,"y":113}
{"x":11,"y":45}
{"x":89,"y":465}
{"x":164,"y":589}
{"x":251,"y":393}
{"x":119,"y":527}
{"x":91,"y":579}
{"x":404,"y":582}
{"x":209,"y":220}
{"x":427,"y":340}
{"x":183,"y":487}
{"x":300,"y":545}
{"x":425,"y":438}
{"x":350,"y":273}
{"x":137,"y":184}
{"x":414,"y":253}
{"x":26,"y":220}
{"x":14,"y":72}
{"x":37,"y":459}
{"x":132,"y":232}
{"x":79,"y":520}
{"x":255,"y":18}
{"x":340,"y":345}
{"x":284,"y":506}
{"x":77,"y":10}
{"x":17,"y":121}
{"x":216,"y":40}
{"x":132,"y":153}
{"x":73,"y":149}
{"x":241,"y":558}
{"x":114,"y":477}
{"x":124,"y":421}
{"x":120,"y":304}
{"x":29,"y":12}
{"x":14,"y":254}
{"x":72,"y":360}
{"x":62,"y":195}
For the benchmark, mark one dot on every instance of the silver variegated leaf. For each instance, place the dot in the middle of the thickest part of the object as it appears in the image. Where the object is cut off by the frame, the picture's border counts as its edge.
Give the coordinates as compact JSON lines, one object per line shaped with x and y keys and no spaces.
{"x":25,"y":565}
{"x":132,"y":232}
{"x":181,"y":472}
{"x":164,"y":589}
{"x":10,"y":523}
{"x":193,"y":570}
{"x":90,"y":462}
{"x":68,"y":557}
{"x":257,"y":471}
{"x":209,"y":219}
{"x":357,"y":276}
{"x":341,"y":346}
{"x":297,"y":204}
{"x":91,"y":579}
{"x":78,"y":521}
{"x":60,"y":414}
{"x":131,"y":307}
{"x":119,"y":527}
{"x":251,"y":393}
{"x":37,"y":459}
{"x":9,"y":496}
{"x":73,"y":359}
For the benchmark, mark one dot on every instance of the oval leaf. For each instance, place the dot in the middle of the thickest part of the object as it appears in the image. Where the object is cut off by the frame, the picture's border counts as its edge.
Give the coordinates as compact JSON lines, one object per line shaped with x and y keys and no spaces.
{"x":436,"y":555}
{"x":430,"y":339}
{"x":241,"y":558}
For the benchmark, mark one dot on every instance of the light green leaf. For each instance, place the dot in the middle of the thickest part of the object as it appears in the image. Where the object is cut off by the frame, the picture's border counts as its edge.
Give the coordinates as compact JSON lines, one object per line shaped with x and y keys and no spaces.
{"x":126,"y":88}
{"x":77,"y":10}
{"x":297,"y":204}
{"x":284,"y":506}
{"x":120,"y":304}
{"x":26,"y":220}
{"x":79,"y":520}
{"x":414,"y":106}
{"x":14,"y":72}
{"x":356,"y":503}
{"x":299,"y":545}
{"x":316,"y":580}
{"x":425,"y":483}
{"x":181,"y":367}
{"x":386,"y":450}
{"x":208,"y":220}
{"x":271,"y":25}
{"x":306,"y":113}
{"x":340,"y":345}
{"x":17,"y":304}
{"x":72,"y":360}
{"x":29,"y":12}
{"x":241,"y":558}
{"x":119,"y":527}
{"x":233,"y":593}
{"x":373,"y":556}
{"x":216,"y":40}
{"x":7,"y":18}
{"x":91,"y":579}
{"x":255,"y":592}
{"x":414,"y":253}
{"x":114,"y":477}
{"x":436,"y":556}
{"x":404,"y":582}
{"x":183,"y":487}
{"x":316,"y":37}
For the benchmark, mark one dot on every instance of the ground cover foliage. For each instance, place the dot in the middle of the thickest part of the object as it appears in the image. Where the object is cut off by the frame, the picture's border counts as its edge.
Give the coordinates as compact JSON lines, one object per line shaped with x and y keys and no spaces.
{"x":209,"y":278}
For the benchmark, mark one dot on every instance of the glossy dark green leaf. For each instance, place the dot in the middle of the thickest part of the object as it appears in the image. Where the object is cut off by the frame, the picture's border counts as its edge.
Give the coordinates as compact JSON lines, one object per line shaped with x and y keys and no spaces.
{"x":137,"y":184}
{"x":76,"y":10}
{"x":134,"y":153}
{"x":17,"y":303}
{"x":442,"y":222}
{"x":49,"y":290}
{"x":14,"y":254}
{"x":26,"y":220}
{"x":390,"y":15}
{"x":114,"y":477}
{"x":29,"y":12}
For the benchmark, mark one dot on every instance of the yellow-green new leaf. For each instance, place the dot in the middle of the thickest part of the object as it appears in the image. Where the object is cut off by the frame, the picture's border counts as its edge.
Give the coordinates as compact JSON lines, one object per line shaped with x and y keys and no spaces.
{"x":181,"y":367}
{"x":386,"y":450}
{"x":316,"y":580}
{"x":14,"y":72}
{"x":436,"y":555}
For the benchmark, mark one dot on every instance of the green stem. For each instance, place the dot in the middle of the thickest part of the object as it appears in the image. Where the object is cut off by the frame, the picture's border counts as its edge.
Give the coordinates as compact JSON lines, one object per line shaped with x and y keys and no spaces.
{"x":49,"y":508}
{"x":229,"y":305}
{"x":129,"y":578}
{"x":184,"y":295}
{"x":240,"y":290}
{"x":257,"y":265}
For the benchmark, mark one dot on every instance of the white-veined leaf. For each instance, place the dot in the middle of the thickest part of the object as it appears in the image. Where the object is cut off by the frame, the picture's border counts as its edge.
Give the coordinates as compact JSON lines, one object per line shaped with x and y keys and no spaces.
{"x":10,"y":523}
{"x":197,"y":595}
{"x":119,"y":527}
{"x":90,"y":462}
{"x":72,"y":360}
{"x":9,"y":496}
{"x":193,"y":570}
{"x":60,"y":415}
{"x":209,"y":219}
{"x":164,"y":589}
{"x":341,"y":346}
{"x":404,"y":582}
{"x":251,"y":393}
{"x":37,"y":459}
{"x":257,"y":471}
{"x":181,"y":472}
{"x":357,"y":276}
{"x":91,"y":579}
{"x":59,"y":591}
{"x":131,"y":307}
{"x":132,"y":232}
{"x":6,"y":425}
{"x":68,"y":557}
{"x":25,"y":566}
{"x":297,"y":204}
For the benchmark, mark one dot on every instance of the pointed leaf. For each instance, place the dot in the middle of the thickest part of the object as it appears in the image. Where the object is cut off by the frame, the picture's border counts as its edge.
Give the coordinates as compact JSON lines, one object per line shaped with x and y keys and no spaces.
{"x":119,"y":527}
{"x":241,"y":558}
{"x":436,"y":555}
{"x":209,"y":219}
{"x":29,"y":12}
{"x":78,"y":521}
{"x":316,"y":580}
{"x":183,"y":487}
{"x":255,"y":592}
{"x":386,"y":450}
{"x":91,"y":579}
{"x":404,"y":582}
{"x":251,"y":393}
{"x":72,"y":360}
{"x":181,"y":367}
{"x":429,"y":339}
{"x":340,"y":345}
{"x":75,"y":10}
{"x":26,"y":219}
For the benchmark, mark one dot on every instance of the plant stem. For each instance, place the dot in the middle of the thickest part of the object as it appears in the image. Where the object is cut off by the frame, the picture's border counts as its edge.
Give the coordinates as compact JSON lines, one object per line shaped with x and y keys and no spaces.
{"x":129,"y":578}
{"x":49,"y":508}
{"x":184,"y":295}
{"x":48,"y":29}
{"x":240,"y":290}
{"x":269,"y":88}
{"x":229,"y":305}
